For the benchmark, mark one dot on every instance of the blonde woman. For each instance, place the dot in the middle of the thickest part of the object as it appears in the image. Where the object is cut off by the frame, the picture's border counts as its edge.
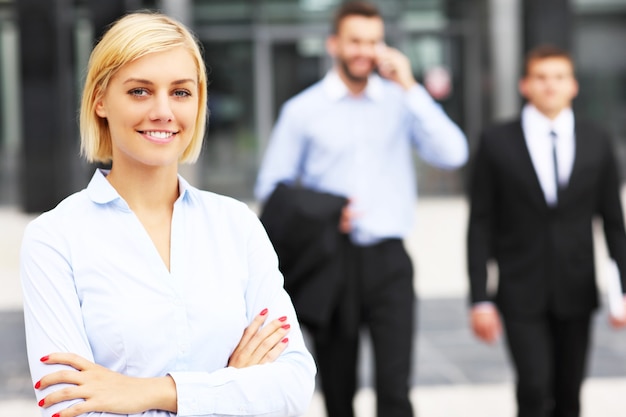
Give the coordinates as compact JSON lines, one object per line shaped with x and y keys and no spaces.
{"x":142,"y":294}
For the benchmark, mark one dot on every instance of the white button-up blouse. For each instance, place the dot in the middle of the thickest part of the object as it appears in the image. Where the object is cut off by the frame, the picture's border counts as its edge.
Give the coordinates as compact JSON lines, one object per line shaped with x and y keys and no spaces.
{"x":95,"y":285}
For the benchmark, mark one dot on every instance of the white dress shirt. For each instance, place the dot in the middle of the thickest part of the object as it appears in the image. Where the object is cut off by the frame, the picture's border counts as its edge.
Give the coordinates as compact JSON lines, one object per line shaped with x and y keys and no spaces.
{"x":95,"y":285}
{"x":361,"y":147}
{"x":537,"y":128}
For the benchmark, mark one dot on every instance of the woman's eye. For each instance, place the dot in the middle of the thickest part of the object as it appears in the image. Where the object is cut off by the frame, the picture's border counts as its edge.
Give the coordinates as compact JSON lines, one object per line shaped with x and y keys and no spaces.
{"x":139,"y":92}
{"x":182,"y":93}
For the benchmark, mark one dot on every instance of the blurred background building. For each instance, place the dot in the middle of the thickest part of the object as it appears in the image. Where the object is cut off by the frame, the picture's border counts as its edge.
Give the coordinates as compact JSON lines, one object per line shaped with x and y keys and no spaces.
{"x":259,"y":53}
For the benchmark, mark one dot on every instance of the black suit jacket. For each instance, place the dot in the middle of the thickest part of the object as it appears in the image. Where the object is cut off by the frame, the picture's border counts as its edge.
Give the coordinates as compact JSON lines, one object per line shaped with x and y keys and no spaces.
{"x":303,"y":226}
{"x":544,"y":254}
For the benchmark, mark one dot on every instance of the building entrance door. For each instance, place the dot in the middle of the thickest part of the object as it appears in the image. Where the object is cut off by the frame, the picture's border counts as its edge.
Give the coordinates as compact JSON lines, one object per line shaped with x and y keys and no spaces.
{"x":251,"y":75}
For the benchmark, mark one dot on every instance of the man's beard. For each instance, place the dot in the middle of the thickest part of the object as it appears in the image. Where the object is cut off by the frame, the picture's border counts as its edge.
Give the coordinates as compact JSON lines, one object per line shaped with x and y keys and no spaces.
{"x":350,"y":75}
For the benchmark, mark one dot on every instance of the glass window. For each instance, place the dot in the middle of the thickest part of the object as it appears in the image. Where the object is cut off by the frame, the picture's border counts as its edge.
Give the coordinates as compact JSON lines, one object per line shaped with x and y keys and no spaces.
{"x":228,"y":161}
{"x":224,"y":11}
{"x":438,"y":65}
{"x":10,"y":105}
{"x":601,"y":71}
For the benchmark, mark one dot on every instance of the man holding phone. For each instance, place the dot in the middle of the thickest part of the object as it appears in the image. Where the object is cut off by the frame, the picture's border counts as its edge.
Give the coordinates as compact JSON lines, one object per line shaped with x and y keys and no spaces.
{"x":352,"y":134}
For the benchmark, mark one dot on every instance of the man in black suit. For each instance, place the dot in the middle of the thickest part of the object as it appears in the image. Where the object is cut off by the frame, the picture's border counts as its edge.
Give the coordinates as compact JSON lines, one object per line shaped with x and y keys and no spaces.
{"x":536,"y":185}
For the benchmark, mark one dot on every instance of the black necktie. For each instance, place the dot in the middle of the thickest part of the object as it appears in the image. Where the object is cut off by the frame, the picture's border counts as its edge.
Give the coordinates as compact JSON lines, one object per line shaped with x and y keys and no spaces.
{"x":556,"y":165}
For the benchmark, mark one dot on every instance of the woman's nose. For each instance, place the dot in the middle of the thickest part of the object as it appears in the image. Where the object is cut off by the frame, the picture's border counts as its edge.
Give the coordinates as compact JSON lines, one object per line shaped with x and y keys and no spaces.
{"x":161,"y":110}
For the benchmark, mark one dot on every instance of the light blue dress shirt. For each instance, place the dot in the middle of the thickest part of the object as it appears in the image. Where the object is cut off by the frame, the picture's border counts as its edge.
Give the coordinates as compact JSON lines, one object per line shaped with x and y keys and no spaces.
{"x":361,"y":147}
{"x":95,"y":285}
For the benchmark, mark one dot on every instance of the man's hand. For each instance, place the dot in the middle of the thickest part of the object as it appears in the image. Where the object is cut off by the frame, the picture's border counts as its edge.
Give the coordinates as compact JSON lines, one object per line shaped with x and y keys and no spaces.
{"x":348,"y":214}
{"x":619,"y":322}
{"x":486,"y":323}
{"x":345,"y":221}
{"x":258,"y":346}
{"x":104,"y":390}
{"x":395,"y":66}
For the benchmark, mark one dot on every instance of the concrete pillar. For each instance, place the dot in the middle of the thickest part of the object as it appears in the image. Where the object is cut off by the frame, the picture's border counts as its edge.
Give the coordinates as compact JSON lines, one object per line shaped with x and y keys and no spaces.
{"x":178,"y":9}
{"x":11,"y":98}
{"x":48,"y":106}
{"x":505,"y":43}
{"x":547,"y":21}
{"x":103,"y":13}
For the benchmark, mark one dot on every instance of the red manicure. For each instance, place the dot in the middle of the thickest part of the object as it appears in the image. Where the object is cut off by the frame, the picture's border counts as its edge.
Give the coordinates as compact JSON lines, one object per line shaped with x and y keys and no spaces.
{"x":286,"y":326}
{"x":41,"y":402}
{"x":283,"y":318}
{"x":45,"y":358}
{"x":56,"y":415}
{"x":285,"y":340}
{"x":264,"y":312}
{"x":38,"y":384}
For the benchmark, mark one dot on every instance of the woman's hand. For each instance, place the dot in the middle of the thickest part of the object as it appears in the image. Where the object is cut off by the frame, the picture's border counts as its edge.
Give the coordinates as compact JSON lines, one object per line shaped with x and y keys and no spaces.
{"x":260,"y":346}
{"x":104,"y":390}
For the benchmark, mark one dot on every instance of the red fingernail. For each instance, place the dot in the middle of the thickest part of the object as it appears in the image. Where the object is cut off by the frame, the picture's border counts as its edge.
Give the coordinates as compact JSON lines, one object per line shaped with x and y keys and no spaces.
{"x":41,"y":402}
{"x":38,"y":384}
{"x":45,"y":358}
{"x":283,"y":318}
{"x":56,"y":415}
{"x":264,"y":312}
{"x":286,"y":326}
{"x":285,"y":340}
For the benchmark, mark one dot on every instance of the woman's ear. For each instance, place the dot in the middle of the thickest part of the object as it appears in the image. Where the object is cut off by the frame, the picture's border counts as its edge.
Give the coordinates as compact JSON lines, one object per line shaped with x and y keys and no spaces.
{"x":100,"y":111}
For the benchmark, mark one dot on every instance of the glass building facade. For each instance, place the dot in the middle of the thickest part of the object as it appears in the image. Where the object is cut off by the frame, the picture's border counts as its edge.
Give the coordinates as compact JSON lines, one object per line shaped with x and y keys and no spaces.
{"x":261,"y":52}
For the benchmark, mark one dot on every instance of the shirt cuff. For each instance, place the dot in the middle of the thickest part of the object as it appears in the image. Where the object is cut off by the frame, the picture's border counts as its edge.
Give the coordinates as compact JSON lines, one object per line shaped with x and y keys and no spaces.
{"x":417,"y":97}
{"x":194,"y":396}
{"x":483,"y":306}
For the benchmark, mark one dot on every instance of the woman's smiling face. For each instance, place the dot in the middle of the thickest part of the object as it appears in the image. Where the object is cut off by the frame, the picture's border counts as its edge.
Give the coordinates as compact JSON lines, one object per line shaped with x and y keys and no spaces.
{"x":151,"y":106}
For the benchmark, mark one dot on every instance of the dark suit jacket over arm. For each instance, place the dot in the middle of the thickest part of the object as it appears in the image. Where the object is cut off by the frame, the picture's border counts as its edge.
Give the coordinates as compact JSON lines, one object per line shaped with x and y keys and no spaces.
{"x":303,"y":226}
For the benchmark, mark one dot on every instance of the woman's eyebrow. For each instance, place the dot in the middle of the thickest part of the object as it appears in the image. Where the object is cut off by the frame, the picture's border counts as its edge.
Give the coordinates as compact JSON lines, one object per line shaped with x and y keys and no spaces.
{"x":148,"y":82}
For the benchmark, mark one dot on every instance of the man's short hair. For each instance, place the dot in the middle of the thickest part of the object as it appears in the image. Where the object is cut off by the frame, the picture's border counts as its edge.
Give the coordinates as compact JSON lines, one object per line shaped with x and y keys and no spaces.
{"x":354,"y":8}
{"x":543,"y":52}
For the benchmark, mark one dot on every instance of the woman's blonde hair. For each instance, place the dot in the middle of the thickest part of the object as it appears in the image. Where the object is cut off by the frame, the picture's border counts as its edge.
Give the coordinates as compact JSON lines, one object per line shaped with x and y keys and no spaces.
{"x":132,"y":37}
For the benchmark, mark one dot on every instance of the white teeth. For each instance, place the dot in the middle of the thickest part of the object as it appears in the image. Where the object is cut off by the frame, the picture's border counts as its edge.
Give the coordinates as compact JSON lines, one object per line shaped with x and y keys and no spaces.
{"x":160,"y":135}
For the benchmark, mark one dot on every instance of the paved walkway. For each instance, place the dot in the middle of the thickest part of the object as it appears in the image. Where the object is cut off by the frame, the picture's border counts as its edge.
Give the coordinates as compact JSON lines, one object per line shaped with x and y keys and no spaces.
{"x":454,"y":375}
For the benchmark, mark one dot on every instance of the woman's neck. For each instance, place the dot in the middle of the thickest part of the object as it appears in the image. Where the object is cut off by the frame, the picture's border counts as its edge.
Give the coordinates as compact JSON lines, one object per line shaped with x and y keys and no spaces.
{"x":147,"y":189}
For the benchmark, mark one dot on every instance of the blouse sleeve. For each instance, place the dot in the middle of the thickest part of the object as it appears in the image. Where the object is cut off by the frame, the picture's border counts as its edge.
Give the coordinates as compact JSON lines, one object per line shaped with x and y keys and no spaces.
{"x":281,"y":388}
{"x":52,"y":311}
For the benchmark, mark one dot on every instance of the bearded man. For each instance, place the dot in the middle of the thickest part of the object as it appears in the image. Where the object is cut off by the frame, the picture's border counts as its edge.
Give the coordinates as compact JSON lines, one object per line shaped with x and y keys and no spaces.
{"x":352,"y":134}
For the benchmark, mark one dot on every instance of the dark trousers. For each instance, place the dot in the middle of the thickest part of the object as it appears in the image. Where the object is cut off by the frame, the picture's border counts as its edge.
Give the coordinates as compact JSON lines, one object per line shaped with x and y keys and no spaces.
{"x":550,"y":357}
{"x":383,"y":285}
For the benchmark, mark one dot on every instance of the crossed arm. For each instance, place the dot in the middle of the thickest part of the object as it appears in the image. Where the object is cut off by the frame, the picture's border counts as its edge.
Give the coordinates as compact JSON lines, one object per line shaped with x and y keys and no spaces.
{"x":152,"y":376}
{"x":104,"y":390}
